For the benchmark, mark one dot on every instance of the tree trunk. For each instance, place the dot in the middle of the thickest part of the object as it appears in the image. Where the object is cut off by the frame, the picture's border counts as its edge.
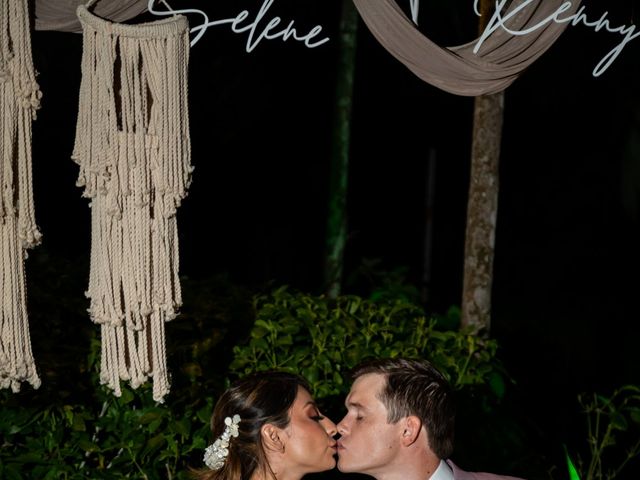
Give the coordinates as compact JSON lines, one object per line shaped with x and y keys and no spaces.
{"x":336,"y":236}
{"x":482,"y":208}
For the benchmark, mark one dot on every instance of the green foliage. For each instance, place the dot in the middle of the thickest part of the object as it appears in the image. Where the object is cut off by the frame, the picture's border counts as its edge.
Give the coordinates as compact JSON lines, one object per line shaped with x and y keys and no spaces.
{"x":73,"y":428}
{"x":104,"y":437}
{"x":611,"y":422}
{"x":323,"y":339}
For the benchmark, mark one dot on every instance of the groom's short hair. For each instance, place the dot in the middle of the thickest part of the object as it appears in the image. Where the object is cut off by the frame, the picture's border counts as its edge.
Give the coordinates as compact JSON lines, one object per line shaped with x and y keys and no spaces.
{"x":415,"y":387}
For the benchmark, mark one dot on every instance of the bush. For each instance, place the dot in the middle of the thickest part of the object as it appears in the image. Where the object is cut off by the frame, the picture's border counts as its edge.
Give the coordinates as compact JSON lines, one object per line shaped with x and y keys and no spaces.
{"x":323,"y":339}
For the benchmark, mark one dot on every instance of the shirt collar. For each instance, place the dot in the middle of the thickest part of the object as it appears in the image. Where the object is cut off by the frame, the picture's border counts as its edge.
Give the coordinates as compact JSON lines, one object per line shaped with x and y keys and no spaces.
{"x":443,"y":472}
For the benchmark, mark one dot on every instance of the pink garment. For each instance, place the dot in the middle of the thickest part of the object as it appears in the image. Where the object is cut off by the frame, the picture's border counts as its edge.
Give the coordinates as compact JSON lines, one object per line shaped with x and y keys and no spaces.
{"x":462,"y":475}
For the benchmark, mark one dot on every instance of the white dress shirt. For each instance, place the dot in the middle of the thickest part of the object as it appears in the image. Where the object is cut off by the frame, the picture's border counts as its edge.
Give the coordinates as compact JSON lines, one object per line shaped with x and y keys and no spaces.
{"x":443,"y":472}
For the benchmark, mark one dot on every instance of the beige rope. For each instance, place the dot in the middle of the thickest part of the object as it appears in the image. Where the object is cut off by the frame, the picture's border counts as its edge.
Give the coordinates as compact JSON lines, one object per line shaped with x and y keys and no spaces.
{"x":132,"y":145}
{"x":19,"y":100}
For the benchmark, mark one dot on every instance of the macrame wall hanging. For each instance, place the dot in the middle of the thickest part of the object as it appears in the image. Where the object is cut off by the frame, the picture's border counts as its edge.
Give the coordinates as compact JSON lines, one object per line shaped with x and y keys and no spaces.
{"x":132,"y":145}
{"x":19,"y":100}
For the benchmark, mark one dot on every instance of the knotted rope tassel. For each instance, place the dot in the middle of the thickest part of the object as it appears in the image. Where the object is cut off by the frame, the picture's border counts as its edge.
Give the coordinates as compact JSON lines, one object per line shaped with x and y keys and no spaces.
{"x":132,"y":145}
{"x":19,"y":100}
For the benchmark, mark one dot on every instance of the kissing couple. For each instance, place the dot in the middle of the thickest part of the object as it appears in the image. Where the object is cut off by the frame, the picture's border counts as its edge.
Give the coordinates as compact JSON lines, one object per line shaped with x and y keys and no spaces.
{"x":399,"y":426}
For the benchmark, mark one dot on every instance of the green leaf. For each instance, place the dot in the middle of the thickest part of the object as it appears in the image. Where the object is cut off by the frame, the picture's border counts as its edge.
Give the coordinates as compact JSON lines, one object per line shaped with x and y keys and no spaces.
{"x":497,"y":385}
{"x":127,"y":396}
{"x":181,"y":427}
{"x":154,"y":425}
{"x":199,"y":443}
{"x":573,"y":473}
{"x":311,"y":374}
{"x":619,"y":422}
{"x":78,"y":424}
{"x":153,"y":444}
{"x":284,"y":340}
{"x":259,"y":332}
{"x":204,"y":414}
{"x":149,"y":417}
{"x":88,"y":446}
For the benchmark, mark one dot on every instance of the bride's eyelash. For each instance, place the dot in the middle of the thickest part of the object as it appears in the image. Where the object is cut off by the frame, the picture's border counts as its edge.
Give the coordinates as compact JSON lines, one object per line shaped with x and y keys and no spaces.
{"x":317,"y":418}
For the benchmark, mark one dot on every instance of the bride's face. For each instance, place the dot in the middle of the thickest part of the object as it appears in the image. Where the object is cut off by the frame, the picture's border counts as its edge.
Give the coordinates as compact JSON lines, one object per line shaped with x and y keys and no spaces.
{"x":309,"y":445}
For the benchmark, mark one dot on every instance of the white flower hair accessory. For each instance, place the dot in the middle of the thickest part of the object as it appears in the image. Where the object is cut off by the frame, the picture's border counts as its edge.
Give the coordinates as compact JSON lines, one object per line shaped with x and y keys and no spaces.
{"x":216,"y":453}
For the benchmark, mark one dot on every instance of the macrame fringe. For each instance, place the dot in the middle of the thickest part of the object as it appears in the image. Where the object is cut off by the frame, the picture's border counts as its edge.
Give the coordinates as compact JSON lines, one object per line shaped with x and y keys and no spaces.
{"x":132,"y":145}
{"x":19,"y":100}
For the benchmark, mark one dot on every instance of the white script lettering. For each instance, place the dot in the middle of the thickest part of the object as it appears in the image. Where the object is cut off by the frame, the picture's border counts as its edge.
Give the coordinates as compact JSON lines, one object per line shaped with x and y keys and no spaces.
{"x":255,"y":35}
{"x":498,"y":21}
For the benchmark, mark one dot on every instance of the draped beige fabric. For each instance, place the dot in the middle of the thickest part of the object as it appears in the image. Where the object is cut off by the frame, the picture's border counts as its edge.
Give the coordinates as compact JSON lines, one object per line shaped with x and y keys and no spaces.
{"x":60,"y":15}
{"x":500,"y":60}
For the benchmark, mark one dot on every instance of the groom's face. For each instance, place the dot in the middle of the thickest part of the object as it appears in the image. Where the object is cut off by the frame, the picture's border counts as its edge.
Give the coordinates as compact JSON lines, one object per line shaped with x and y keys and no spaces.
{"x":368,"y":443}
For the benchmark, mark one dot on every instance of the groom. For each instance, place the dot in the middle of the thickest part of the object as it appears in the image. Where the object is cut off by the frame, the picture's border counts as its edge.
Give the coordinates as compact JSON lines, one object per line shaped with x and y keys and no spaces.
{"x":399,"y":424}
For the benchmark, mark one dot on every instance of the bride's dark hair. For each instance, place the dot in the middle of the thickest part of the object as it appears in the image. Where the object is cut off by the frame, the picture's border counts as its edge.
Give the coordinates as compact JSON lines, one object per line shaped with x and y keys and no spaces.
{"x":259,"y":399}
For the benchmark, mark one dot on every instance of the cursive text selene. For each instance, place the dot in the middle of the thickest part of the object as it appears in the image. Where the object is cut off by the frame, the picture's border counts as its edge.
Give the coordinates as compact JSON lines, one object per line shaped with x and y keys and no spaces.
{"x":267,"y":31}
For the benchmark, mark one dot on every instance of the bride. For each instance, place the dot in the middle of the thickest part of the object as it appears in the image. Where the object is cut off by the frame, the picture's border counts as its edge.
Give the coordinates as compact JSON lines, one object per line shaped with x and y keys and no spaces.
{"x":266,"y":426}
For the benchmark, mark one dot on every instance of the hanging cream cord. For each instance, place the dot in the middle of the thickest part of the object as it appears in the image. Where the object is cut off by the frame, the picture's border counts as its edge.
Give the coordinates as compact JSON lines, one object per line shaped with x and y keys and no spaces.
{"x":132,"y":146}
{"x":19,"y":100}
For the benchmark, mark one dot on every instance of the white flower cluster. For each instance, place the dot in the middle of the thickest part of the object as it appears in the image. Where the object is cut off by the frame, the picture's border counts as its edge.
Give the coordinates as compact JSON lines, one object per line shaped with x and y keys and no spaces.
{"x":216,"y":453}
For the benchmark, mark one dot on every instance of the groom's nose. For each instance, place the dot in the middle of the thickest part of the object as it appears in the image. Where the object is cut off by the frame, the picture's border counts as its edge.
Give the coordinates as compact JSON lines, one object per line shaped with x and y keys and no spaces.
{"x":342,"y":427}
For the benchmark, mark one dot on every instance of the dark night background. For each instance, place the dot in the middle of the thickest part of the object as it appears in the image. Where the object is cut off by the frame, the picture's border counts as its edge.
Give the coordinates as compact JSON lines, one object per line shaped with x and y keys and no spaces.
{"x":567,"y":256}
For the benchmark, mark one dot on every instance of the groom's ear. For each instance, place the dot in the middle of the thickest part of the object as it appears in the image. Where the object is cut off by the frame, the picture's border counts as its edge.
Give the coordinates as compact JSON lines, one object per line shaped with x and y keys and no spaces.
{"x":272,"y":438}
{"x":411,"y":428}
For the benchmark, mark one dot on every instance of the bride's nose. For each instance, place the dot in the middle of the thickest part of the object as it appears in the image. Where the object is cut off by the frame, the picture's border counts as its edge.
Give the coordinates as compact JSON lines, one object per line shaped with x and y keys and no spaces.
{"x":329,"y":427}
